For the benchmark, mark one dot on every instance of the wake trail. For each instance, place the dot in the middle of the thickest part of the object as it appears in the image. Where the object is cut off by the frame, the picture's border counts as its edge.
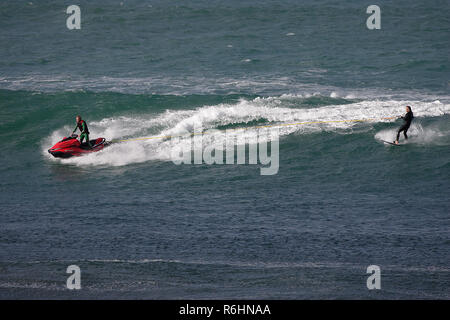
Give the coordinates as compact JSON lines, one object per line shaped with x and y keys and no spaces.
{"x":276,"y":112}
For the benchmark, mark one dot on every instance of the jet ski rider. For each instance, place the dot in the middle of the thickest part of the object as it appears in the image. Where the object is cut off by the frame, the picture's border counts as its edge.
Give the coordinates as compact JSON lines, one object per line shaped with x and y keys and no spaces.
{"x":81,"y":124}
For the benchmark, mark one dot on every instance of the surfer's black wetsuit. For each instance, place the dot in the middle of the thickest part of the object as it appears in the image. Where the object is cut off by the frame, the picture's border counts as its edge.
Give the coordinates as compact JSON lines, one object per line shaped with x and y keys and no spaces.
{"x":407,"y":122}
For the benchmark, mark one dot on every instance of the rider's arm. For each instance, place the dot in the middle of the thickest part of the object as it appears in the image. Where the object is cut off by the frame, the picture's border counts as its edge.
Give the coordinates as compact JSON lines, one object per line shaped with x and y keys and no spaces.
{"x":408,"y":117}
{"x":84,"y":128}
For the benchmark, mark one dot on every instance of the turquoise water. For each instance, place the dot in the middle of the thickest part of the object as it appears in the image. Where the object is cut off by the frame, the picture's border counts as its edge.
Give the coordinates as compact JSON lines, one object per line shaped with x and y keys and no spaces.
{"x":140,"y":226}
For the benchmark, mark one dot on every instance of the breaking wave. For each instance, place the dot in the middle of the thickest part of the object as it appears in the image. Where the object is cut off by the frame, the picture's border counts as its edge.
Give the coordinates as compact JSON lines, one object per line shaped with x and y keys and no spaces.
{"x":244,"y":117}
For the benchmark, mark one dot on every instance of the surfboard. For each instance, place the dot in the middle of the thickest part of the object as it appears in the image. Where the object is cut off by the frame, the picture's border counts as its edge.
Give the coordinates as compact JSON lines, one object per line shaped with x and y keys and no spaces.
{"x":391,"y":143}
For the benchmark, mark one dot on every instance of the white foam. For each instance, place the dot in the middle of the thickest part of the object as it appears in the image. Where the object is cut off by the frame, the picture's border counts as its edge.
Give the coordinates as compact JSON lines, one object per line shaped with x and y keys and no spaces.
{"x":187,"y":85}
{"x":417,"y":134}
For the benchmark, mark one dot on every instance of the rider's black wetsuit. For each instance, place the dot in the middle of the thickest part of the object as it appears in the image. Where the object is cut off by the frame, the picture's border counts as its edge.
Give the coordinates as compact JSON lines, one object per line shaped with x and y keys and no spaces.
{"x":407,"y":122}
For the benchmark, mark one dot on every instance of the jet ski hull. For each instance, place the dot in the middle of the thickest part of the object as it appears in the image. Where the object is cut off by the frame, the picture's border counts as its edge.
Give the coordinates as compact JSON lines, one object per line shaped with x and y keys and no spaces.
{"x":71,"y":147}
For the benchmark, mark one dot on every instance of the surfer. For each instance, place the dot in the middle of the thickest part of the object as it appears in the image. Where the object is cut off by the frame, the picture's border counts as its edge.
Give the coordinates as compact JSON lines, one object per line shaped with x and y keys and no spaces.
{"x":407,"y":118}
{"x":81,"y":124}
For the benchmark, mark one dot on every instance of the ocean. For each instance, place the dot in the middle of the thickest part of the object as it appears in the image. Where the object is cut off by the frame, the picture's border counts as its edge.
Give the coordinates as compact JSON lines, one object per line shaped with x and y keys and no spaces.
{"x":140,"y":226}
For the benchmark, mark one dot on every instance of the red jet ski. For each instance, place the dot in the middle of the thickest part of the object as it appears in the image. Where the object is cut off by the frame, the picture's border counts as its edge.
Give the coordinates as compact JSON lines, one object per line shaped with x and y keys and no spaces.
{"x":70,"y":147}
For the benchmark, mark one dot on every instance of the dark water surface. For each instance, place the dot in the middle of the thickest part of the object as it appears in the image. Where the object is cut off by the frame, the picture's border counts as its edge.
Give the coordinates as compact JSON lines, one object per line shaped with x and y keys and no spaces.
{"x":140,"y":226}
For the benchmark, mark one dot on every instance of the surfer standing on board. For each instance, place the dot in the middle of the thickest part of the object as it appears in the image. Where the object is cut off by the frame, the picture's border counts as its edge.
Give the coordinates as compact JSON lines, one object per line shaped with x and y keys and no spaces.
{"x":407,"y":118}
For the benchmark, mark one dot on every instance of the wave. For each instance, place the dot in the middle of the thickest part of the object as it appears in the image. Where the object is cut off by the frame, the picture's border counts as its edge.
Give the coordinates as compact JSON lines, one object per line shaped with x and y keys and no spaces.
{"x":192,"y":85}
{"x":273,"y":112}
